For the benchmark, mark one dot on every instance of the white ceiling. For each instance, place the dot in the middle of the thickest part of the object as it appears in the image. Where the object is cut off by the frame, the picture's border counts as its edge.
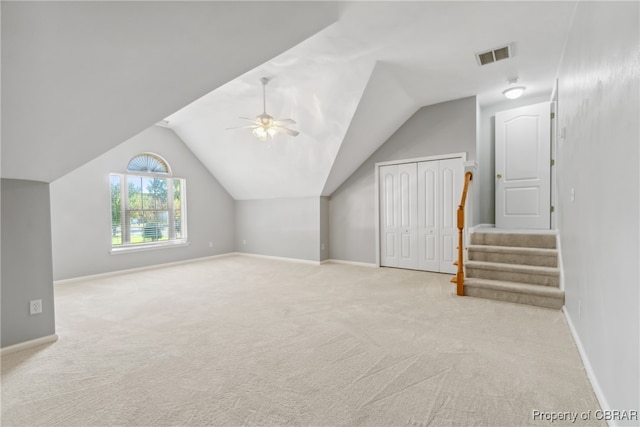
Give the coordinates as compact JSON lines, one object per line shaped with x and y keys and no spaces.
{"x":78,"y":78}
{"x":351,"y":85}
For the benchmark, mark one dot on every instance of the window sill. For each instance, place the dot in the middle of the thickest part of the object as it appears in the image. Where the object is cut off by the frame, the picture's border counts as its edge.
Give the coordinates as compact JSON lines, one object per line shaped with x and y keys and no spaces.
{"x":149,"y":247}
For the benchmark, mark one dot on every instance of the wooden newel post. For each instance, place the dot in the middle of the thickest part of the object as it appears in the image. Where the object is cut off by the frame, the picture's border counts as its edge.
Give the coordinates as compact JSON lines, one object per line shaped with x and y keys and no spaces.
{"x":459,"y":279}
{"x":460,"y":273}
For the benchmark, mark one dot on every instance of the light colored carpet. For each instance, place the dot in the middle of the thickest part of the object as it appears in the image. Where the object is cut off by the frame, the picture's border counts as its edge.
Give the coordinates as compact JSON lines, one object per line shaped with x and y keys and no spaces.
{"x":247,"y":341}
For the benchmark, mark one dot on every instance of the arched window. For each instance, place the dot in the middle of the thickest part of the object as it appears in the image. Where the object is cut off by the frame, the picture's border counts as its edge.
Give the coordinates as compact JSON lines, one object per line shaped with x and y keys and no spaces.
{"x":148,"y":205}
{"x":148,"y":162}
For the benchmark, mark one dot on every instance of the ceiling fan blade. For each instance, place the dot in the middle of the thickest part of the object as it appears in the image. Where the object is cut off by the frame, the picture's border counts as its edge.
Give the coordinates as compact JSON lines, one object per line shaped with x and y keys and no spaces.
{"x":287,"y":131}
{"x":243,"y":127}
{"x":284,"y":122}
{"x":251,"y":120}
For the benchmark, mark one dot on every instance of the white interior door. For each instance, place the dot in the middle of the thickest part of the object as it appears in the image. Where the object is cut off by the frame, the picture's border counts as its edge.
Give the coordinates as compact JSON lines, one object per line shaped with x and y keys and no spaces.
{"x":398,"y":216}
{"x":428,"y":216}
{"x":407,"y":215}
{"x":418,"y":203}
{"x":388,"y":176}
{"x":523,"y":167}
{"x":451,"y":177}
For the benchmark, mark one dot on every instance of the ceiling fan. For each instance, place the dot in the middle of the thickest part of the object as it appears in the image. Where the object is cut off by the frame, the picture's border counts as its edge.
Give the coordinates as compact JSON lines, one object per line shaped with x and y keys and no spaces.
{"x":264,"y":126}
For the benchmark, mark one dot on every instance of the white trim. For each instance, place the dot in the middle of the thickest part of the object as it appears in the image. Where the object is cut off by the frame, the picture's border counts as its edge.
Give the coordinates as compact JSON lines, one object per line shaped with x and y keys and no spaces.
{"x":279,"y":258}
{"x":470,"y":166}
{"x":376,"y":201}
{"x":28,"y":344}
{"x":560,"y":264}
{"x":481,"y":227}
{"x":126,"y":249}
{"x":462,"y":156}
{"x":138,"y":269}
{"x":602,"y":400}
{"x":554,"y":157}
{"x":515,"y":230}
{"x":353,"y":263}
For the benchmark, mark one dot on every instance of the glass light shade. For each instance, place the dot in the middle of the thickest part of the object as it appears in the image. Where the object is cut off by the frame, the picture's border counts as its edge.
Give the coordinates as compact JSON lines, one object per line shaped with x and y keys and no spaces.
{"x":514,"y":92}
{"x":260,"y":133}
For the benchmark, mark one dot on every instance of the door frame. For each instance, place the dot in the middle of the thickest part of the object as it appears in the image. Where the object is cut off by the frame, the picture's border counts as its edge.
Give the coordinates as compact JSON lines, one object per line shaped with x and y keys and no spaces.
{"x":549,"y":155}
{"x":462,"y":156}
{"x":554,"y":156}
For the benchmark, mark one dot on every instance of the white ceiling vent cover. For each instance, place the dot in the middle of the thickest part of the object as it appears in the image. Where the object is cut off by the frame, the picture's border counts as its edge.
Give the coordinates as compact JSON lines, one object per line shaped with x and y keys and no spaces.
{"x":494,"y":55}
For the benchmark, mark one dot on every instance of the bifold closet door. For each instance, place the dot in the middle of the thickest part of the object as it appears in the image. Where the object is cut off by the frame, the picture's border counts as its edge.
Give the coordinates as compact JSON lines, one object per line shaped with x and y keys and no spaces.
{"x":451,"y":173}
{"x":398,"y":216}
{"x":418,"y":203}
{"x":429,"y":216}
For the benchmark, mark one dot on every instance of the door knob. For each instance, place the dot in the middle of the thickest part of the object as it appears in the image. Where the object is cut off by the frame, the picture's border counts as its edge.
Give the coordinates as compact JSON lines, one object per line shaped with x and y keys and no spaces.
{"x":499,"y":176}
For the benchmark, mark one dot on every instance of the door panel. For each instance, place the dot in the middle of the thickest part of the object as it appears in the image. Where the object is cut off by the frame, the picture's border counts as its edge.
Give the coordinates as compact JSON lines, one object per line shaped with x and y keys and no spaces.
{"x":407,"y":190}
{"x":387,"y":182}
{"x":523,"y":167}
{"x":522,"y":201}
{"x":428,"y":217}
{"x":451,"y":174}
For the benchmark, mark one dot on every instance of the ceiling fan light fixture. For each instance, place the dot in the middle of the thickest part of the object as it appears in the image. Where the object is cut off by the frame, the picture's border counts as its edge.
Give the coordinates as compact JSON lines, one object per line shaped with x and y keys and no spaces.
{"x":265,"y":127}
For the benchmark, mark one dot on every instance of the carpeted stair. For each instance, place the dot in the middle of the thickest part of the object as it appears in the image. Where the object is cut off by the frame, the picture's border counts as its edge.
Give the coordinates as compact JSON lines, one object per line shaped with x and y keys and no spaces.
{"x":520,"y":268}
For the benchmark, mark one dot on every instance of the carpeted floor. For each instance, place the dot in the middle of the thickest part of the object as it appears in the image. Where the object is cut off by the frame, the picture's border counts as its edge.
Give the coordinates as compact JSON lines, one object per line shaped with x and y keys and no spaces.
{"x":256,"y":342}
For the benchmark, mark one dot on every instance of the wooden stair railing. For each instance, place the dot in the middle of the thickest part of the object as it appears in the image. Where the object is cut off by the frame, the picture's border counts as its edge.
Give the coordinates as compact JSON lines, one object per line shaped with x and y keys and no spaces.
{"x":459,"y":278}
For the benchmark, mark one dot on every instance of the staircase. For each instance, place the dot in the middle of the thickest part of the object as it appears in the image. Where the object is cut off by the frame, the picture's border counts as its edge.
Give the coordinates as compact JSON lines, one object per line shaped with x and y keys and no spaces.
{"x":512,"y":267}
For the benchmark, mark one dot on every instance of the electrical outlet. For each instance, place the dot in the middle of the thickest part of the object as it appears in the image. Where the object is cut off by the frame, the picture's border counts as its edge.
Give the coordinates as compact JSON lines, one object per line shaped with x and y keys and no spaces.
{"x":322,"y":247}
{"x":35,"y":307}
{"x":244,"y":242}
{"x":210,"y":244}
{"x":573,"y":194}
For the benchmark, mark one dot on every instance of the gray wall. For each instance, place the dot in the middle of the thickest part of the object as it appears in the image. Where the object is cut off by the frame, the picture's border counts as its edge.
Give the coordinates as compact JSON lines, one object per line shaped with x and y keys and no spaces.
{"x":484,"y":177}
{"x":449,"y":127}
{"x":27,"y":273}
{"x":324,"y":228}
{"x":599,"y":109}
{"x":81,"y":213}
{"x":288,"y":228}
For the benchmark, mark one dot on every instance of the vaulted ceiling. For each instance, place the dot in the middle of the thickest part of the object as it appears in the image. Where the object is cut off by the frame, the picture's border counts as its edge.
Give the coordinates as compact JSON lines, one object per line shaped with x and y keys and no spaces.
{"x":79,"y":78}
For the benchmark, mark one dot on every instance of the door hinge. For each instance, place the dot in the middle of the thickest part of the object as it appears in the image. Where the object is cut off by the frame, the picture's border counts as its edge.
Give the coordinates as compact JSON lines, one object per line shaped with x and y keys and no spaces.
{"x":553,"y":209}
{"x":553,"y":162}
{"x":553,"y":115}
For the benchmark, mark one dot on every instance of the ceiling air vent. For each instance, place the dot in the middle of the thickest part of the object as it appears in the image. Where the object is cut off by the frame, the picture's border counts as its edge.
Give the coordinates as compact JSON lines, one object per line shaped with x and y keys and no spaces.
{"x":494,"y":55}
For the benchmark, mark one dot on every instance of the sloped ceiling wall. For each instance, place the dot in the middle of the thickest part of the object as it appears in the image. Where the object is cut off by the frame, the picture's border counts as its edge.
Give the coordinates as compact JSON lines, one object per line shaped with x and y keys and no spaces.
{"x":79,"y":78}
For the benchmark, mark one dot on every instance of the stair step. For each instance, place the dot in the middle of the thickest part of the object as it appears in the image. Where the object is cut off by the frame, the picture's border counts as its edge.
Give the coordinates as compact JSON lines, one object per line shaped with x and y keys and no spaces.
{"x":530,"y":274}
{"x":545,"y":241}
{"x":514,"y":255}
{"x":520,"y":293}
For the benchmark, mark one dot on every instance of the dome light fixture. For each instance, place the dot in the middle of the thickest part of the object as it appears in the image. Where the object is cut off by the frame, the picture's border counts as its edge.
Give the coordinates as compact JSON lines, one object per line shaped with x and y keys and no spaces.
{"x":513,"y":91}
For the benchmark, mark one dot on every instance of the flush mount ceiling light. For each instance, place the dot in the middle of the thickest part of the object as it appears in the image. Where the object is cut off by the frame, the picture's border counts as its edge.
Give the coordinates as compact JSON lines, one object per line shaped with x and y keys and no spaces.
{"x":513,"y":91}
{"x":265,"y":127}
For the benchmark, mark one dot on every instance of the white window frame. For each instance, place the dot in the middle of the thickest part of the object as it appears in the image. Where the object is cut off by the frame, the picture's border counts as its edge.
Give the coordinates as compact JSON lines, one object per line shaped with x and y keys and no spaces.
{"x":127,"y":247}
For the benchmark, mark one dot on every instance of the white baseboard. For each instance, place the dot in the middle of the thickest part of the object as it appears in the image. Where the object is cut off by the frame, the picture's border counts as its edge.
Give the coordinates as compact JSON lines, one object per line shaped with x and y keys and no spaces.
{"x":480,"y":227}
{"x":602,"y":400}
{"x":28,"y":344}
{"x":279,"y":258}
{"x":357,"y":264}
{"x":138,"y":269}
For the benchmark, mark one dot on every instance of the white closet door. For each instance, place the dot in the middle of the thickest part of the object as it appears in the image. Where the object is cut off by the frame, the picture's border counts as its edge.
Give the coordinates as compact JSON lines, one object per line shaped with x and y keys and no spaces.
{"x":407,"y":215}
{"x":388,"y":177}
{"x":451,"y":172}
{"x":418,"y":204}
{"x":428,"y":216}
